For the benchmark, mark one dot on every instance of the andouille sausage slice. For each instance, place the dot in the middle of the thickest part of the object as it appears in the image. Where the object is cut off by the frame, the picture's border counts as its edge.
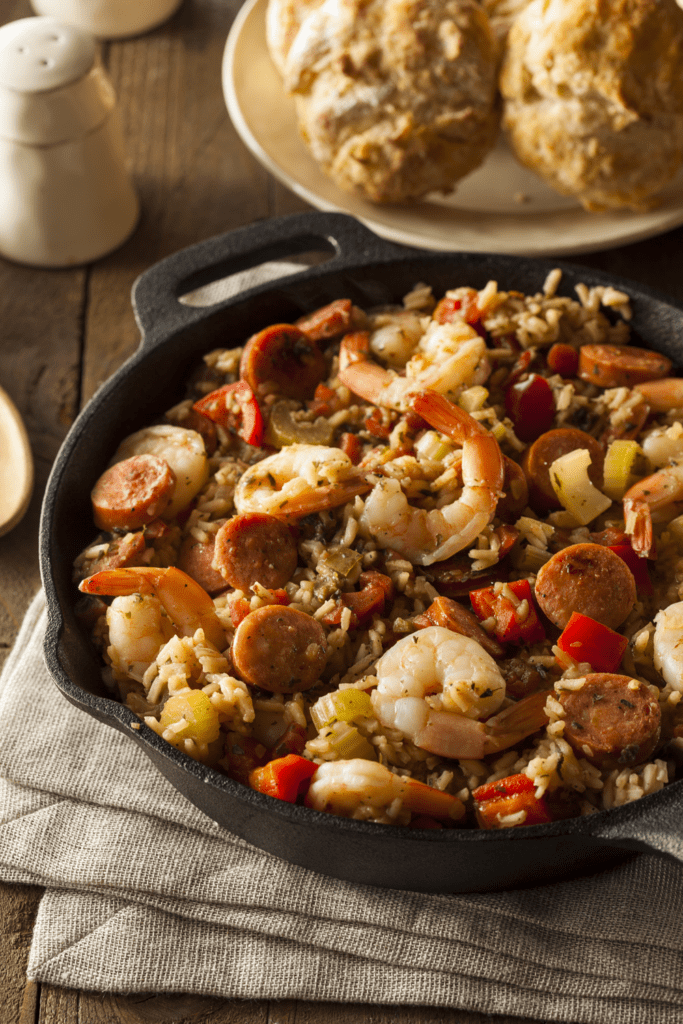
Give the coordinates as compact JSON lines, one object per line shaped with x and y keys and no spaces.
{"x":282,"y":360}
{"x":613,"y":721}
{"x":279,"y":649}
{"x":132,"y":493}
{"x":196,"y":559}
{"x":616,"y":366}
{"x":255,"y":548}
{"x":586,"y":578}
{"x":540,"y":455}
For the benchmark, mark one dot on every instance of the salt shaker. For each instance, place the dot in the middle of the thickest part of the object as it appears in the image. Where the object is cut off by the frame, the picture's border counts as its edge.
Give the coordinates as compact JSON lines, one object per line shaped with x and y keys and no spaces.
{"x":109,"y":19}
{"x":65,"y":194}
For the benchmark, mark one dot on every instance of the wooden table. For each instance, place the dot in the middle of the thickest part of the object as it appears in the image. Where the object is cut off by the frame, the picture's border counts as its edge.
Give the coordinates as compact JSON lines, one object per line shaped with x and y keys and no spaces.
{"x":63,"y":332}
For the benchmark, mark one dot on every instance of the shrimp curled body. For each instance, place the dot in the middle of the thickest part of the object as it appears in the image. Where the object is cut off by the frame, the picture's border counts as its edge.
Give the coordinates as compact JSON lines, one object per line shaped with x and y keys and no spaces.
{"x":425,"y":536}
{"x":435,"y":685}
{"x":297,"y":481}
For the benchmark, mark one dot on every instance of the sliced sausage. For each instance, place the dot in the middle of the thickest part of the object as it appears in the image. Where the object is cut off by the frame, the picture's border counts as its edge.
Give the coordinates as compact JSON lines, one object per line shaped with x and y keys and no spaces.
{"x":282,"y":360}
{"x":132,"y":493}
{"x":617,"y":366}
{"x":328,"y":321}
{"x":255,"y":548}
{"x":196,"y":559}
{"x":451,"y":615}
{"x":613,"y":721}
{"x":515,"y":492}
{"x":121,"y":552}
{"x":540,"y":455}
{"x":279,"y":649}
{"x":586,"y":578}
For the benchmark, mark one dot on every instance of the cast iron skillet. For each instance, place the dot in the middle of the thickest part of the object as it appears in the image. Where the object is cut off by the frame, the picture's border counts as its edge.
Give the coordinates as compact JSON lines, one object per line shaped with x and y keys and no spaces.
{"x":174,"y":337}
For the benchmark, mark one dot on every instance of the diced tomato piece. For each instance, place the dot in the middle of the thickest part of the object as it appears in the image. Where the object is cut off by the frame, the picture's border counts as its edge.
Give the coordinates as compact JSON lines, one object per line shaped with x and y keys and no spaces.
{"x":352,"y":446}
{"x":372,"y":578}
{"x":584,"y":639}
{"x":234,"y":406}
{"x":636,"y":564}
{"x":239,"y":609}
{"x":292,"y":741}
{"x":363,"y":604}
{"x":285,"y":778}
{"x":496,"y":800}
{"x":530,"y":404}
{"x":241,"y":755}
{"x":508,"y":629}
{"x":325,"y":401}
{"x":376,"y":426}
{"x":563,"y":359}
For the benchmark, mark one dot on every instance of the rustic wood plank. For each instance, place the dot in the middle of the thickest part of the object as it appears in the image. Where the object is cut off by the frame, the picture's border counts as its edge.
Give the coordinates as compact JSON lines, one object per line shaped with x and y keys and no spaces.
{"x":18,"y":905}
{"x":68,"y":1006}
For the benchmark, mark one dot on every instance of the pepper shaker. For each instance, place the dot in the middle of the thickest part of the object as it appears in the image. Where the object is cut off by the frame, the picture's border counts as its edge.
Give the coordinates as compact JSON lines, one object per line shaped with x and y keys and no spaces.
{"x":65,"y":194}
{"x":109,"y":19}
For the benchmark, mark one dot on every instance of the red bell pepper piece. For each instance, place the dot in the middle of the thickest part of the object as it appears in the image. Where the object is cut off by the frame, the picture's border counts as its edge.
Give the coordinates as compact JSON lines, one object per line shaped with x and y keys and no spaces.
{"x":363,"y":604}
{"x":584,"y":639}
{"x":285,"y":778}
{"x":531,"y":407}
{"x":636,"y":564}
{"x":496,"y":800}
{"x":234,"y":407}
{"x":488,"y":602}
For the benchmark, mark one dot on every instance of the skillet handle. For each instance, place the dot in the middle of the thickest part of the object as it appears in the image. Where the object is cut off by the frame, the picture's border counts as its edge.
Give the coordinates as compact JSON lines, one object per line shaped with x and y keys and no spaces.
{"x":654,"y":825}
{"x":156,"y":292}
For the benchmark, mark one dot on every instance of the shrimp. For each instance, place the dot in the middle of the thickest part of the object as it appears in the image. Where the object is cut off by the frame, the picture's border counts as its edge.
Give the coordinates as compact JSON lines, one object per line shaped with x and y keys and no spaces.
{"x":447,"y":356}
{"x":436,"y":685}
{"x":426,"y":536}
{"x":653,"y":499}
{"x":184,"y":452}
{"x":368,"y":790}
{"x":138,"y":630}
{"x":668,"y":645}
{"x":186,"y":603}
{"x":662,"y":395}
{"x":299,"y":480}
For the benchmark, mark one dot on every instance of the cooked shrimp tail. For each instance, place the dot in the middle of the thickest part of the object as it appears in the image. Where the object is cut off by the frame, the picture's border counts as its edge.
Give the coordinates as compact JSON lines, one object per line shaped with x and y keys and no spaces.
{"x":654,"y":497}
{"x":516,"y":722}
{"x":186,"y":603}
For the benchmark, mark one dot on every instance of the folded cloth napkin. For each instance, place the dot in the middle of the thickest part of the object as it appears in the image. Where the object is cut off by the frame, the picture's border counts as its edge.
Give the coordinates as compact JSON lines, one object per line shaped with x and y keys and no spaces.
{"x":146,"y":894}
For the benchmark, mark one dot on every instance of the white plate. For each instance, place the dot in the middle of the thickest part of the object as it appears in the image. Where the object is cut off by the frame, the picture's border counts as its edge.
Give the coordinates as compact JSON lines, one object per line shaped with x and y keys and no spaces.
{"x":485,"y":214}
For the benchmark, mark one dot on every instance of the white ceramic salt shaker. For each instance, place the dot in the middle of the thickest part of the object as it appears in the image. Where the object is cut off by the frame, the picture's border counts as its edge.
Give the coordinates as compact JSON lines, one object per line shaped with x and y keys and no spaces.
{"x":65,"y":194}
{"x":109,"y":19}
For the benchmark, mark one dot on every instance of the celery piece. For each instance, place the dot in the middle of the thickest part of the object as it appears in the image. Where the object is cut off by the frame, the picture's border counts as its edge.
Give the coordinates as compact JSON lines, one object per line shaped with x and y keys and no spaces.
{"x":574,"y":489}
{"x":341,"y":706}
{"x":620,"y":464}
{"x":348,"y":743}
{"x":431,"y":446}
{"x":201,"y":718}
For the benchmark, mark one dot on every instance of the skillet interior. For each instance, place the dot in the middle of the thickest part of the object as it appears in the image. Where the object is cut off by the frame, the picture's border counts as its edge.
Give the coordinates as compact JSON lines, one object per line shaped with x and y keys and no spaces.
{"x":369,"y":271}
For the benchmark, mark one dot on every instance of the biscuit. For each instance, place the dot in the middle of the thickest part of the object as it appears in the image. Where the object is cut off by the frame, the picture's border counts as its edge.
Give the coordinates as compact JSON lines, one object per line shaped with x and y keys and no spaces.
{"x":593,"y":97}
{"x":395,"y":98}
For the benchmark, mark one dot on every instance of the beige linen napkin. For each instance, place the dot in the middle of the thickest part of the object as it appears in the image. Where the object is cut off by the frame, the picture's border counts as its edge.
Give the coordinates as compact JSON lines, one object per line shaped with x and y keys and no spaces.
{"x":145,"y":893}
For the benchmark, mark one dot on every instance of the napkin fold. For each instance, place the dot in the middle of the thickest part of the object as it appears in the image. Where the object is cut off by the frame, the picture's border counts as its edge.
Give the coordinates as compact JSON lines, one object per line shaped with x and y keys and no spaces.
{"x":145,"y":893}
